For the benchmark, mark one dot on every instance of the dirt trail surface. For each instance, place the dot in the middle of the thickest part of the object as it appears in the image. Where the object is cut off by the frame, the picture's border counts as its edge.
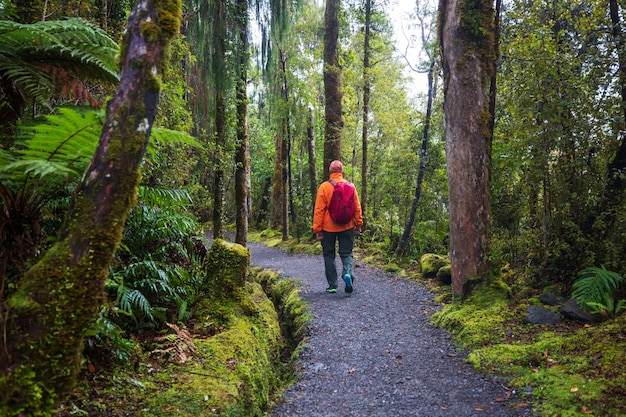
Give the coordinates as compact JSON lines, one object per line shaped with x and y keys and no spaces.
{"x":374,"y":353}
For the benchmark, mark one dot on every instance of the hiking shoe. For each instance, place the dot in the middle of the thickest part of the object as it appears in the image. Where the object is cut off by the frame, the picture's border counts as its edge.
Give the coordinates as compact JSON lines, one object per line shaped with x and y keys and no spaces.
{"x":331,"y":290}
{"x":348,"y":280}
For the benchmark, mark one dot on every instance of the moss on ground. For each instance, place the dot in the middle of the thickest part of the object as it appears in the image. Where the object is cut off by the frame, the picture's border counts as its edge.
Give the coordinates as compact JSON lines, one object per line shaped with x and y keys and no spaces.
{"x":236,"y":372}
{"x":564,"y":370}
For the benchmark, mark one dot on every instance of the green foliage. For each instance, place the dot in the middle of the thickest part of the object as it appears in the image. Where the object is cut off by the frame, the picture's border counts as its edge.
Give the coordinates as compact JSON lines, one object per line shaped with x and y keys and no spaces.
{"x":106,"y":341}
{"x":595,"y":288}
{"x":57,"y":148}
{"x":157,"y":272}
{"x":38,"y":57}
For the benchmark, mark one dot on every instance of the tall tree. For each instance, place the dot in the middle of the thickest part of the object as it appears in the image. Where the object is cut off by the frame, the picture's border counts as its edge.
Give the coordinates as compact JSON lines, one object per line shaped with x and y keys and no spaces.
{"x":242,"y":157}
{"x":613,"y":197}
{"x":310,"y":132}
{"x":431,"y":74}
{"x":287,"y":196}
{"x":366,"y":106}
{"x":467,"y":46}
{"x":404,"y":239}
{"x":219,"y":72}
{"x":332,"y":85}
{"x":60,"y":296}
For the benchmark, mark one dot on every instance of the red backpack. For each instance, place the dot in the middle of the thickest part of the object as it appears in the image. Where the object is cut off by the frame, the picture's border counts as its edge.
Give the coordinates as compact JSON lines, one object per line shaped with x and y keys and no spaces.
{"x":342,"y":204}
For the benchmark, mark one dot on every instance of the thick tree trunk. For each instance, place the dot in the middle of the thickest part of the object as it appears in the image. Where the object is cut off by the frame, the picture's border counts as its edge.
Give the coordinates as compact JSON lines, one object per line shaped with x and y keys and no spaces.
{"x":220,"y":119}
{"x":615,"y":189}
{"x":242,"y":157}
{"x":467,"y":41}
{"x":59,"y":298}
{"x":366,"y":107}
{"x":404,"y":240}
{"x":332,"y":86}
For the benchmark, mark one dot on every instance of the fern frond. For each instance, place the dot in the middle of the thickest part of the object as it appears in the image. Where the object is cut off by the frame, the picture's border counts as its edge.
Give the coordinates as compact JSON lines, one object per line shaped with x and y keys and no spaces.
{"x":135,"y":303}
{"x":170,"y":137}
{"x":594,"y":285}
{"x":162,"y":197}
{"x":28,"y":52}
{"x":61,"y":147}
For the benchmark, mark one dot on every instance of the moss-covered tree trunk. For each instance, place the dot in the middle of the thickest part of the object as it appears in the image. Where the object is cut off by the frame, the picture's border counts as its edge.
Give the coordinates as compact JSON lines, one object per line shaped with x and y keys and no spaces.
{"x":242,"y":156}
{"x":332,"y":86}
{"x":219,"y":63}
{"x":467,"y":43}
{"x":59,"y":298}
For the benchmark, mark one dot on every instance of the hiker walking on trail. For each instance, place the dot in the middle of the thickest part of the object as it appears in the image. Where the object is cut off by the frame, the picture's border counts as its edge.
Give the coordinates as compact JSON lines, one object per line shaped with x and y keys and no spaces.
{"x":337,"y":218}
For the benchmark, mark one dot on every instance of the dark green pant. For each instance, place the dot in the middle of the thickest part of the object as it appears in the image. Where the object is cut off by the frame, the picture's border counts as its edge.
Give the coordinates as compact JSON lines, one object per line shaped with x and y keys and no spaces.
{"x":346,"y":245}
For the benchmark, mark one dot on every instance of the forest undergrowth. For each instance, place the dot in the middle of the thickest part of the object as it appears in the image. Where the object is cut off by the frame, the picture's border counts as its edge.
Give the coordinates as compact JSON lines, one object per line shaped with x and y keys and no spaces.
{"x":567,"y":369}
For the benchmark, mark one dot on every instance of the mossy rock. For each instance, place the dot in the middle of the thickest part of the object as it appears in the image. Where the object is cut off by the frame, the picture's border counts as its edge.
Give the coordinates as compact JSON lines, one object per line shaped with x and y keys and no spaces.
{"x":444,"y":275}
{"x":431,"y":263}
{"x":226,"y":270}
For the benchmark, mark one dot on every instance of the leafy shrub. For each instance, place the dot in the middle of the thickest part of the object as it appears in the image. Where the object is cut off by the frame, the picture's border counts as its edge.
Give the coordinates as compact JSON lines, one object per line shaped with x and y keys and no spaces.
{"x":594,"y":290}
{"x":156,"y":272}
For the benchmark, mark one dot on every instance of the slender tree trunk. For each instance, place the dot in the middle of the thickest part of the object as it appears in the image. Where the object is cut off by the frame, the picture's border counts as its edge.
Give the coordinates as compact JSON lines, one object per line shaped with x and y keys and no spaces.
{"x":277,"y":183}
{"x":287,"y":174}
{"x":242,"y":157}
{"x":312,"y":158}
{"x":59,"y":297}
{"x":220,"y":119}
{"x":366,"y":106}
{"x":332,"y":86}
{"x":493,"y":82}
{"x":404,"y":240}
{"x":467,"y":43}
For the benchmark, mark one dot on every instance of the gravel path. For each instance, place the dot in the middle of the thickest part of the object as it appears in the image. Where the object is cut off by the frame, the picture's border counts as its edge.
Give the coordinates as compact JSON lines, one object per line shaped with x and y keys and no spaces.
{"x":375,"y":354}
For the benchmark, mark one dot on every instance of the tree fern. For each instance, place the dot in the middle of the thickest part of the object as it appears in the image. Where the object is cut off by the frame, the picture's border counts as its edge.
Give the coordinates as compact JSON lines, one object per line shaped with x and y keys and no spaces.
{"x":60,"y":147}
{"x":32,"y":54}
{"x":594,"y":290}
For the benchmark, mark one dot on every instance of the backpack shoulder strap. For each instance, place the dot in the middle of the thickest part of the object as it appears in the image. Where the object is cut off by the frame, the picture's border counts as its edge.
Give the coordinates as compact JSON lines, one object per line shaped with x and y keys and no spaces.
{"x":332,"y":182}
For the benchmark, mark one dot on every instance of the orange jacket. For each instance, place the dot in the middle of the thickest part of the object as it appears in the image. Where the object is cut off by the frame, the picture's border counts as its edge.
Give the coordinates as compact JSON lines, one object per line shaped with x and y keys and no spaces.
{"x":321,"y":215}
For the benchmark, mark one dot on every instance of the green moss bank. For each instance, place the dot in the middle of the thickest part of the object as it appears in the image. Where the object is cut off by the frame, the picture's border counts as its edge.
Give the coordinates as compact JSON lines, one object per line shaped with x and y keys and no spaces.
{"x":238,"y":371}
{"x":261,"y":322}
{"x":567,"y":370}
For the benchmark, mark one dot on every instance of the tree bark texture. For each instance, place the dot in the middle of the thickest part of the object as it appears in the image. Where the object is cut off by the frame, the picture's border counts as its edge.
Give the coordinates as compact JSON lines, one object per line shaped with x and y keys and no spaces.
{"x":310,"y":132}
{"x":613,"y":198}
{"x":288,"y":204}
{"x":242,"y":157}
{"x":467,"y":39}
{"x":59,"y":297}
{"x":366,"y":106}
{"x":332,"y":86}
{"x":276,"y":219}
{"x":220,"y":118}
